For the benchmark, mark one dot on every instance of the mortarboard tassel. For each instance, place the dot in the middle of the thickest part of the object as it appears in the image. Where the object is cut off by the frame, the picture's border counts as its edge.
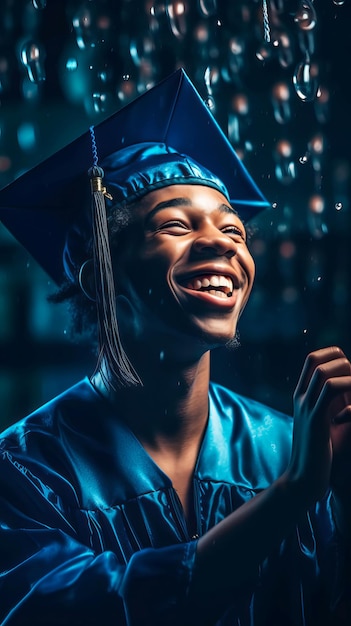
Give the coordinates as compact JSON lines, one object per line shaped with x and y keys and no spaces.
{"x":111,"y":350}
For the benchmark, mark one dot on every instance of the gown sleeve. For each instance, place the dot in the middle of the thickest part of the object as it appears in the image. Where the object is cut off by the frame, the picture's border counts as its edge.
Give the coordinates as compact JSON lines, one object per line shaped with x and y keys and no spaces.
{"x":48,"y":576}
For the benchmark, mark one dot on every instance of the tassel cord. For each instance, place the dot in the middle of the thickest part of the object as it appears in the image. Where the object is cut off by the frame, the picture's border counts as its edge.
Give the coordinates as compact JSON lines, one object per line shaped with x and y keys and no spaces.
{"x":111,"y":349}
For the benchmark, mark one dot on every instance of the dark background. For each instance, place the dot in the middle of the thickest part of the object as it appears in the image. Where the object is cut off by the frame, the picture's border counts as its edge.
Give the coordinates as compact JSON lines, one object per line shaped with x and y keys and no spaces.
{"x":67,"y":65}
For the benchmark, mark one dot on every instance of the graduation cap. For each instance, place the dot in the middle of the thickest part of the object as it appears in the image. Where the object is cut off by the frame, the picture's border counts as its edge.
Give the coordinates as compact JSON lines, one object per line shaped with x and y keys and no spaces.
{"x":166,"y":136}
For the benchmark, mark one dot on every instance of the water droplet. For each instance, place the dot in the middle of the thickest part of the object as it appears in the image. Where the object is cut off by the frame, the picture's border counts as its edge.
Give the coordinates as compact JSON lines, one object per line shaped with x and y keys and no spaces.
{"x":82,"y":23}
{"x":305,"y":16}
{"x":264,"y":52}
{"x":32,"y":57}
{"x":162,"y":355}
{"x":210,"y":103}
{"x":339,"y":3}
{"x":176,"y":13}
{"x":71,"y":64}
{"x":319,"y":278}
{"x":305,"y":81}
{"x":65,"y":332}
{"x":304,"y":331}
{"x":338,"y":206}
{"x":39,"y":4}
{"x":100,"y":102}
{"x":211,"y":78}
{"x":304,"y":159}
{"x":126,"y":76}
{"x":103,"y":76}
{"x":281,"y":102}
{"x":207,"y":7}
{"x":275,"y":205}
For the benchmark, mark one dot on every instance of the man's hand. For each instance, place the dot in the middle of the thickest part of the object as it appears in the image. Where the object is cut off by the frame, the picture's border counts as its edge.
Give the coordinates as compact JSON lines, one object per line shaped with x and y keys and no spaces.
{"x":321,"y":451}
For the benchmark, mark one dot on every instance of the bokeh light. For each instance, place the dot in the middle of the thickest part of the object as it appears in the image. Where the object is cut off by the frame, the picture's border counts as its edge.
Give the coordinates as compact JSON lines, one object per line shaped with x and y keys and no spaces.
{"x":276,"y":81}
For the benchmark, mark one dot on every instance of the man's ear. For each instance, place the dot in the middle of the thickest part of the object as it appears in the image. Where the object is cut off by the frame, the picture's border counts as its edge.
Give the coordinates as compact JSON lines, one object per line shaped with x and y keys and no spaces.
{"x":86,"y":279}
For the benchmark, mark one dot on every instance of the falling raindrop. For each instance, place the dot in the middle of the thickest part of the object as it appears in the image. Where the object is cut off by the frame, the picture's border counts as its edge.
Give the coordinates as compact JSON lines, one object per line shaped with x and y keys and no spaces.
{"x":315,"y":216}
{"x":39,"y":4}
{"x":33,"y":57}
{"x":207,"y":7}
{"x":304,"y":159}
{"x":83,"y":22}
{"x":101,"y":102}
{"x":264,"y":52}
{"x":305,"y":80}
{"x":338,"y":206}
{"x":285,"y":167}
{"x":285,"y":51}
{"x":176,"y":13}
{"x":281,"y":103}
{"x":322,"y":104}
{"x":210,"y":103}
{"x":339,"y":3}
{"x":305,"y":16}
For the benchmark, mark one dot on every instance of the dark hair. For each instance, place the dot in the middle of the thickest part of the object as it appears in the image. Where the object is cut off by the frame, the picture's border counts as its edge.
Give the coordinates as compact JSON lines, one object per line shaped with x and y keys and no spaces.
{"x":82,"y":310}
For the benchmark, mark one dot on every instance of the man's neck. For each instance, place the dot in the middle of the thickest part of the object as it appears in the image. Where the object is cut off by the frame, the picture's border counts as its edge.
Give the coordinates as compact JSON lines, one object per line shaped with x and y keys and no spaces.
{"x":170,"y":410}
{"x":168,"y":414}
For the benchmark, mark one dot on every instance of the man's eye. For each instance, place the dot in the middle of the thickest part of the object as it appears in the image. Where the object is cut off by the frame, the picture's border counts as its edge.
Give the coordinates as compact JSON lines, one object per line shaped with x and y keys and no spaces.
{"x":173,"y":224}
{"x":235,"y":230}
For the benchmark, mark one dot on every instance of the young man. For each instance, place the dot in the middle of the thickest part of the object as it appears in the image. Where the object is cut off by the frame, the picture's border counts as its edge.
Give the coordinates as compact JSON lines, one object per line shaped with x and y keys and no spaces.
{"x":145,"y":494}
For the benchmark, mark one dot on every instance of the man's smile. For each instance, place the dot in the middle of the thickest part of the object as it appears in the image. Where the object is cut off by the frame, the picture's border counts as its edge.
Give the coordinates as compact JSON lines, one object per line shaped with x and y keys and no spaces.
{"x":220,"y":286}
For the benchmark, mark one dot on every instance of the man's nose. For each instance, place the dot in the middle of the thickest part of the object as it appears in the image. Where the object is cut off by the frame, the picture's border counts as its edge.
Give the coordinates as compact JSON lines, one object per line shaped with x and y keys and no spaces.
{"x":212,"y":241}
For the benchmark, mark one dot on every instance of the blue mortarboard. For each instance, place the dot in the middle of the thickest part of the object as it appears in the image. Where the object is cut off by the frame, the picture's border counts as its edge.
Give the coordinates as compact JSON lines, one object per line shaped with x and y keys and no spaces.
{"x":41,"y":207}
{"x":166,"y":136}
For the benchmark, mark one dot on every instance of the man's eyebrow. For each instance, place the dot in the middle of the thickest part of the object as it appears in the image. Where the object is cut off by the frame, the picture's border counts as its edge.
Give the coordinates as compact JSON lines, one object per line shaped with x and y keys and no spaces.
{"x":165,"y":204}
{"x":226,"y":208}
{"x":184,"y":201}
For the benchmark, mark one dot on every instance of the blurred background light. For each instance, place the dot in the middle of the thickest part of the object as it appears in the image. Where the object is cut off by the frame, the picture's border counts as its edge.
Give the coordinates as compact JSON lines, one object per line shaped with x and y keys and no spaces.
{"x":274,"y":75}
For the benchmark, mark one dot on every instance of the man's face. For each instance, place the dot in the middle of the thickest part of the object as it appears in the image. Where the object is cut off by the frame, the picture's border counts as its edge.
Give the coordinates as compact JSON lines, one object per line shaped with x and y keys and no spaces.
{"x":183,"y":269}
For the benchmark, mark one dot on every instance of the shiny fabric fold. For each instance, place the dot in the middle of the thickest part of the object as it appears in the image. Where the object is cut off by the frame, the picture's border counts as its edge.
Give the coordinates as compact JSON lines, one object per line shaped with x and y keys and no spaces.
{"x":92,"y":531}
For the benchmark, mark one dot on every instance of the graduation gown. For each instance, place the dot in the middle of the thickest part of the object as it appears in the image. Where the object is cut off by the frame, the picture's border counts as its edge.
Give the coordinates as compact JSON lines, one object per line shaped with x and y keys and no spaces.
{"x":92,"y":531}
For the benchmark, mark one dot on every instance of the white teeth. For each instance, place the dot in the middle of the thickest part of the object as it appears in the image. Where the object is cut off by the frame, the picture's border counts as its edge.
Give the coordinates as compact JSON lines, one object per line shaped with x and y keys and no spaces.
{"x":216,"y":292}
{"x":212,"y":280}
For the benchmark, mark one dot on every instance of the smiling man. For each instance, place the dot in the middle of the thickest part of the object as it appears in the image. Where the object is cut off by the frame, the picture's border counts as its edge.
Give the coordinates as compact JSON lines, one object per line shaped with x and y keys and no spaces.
{"x":146,"y":494}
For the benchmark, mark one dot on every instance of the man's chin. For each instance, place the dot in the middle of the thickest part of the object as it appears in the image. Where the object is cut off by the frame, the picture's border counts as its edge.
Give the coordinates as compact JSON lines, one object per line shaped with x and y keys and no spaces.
{"x":211,"y":341}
